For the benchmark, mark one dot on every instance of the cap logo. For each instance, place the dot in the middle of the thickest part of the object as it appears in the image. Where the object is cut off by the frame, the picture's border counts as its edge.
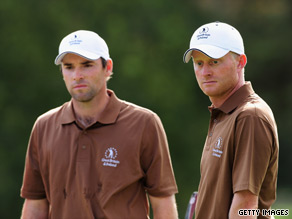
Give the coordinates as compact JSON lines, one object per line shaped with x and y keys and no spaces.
{"x":203,"y":33}
{"x":204,"y":30}
{"x":75,"y":40}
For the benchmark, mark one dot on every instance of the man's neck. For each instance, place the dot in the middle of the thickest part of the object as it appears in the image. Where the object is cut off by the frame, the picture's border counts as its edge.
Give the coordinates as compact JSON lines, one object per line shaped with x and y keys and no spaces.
{"x":218,"y":102}
{"x":88,"y":113}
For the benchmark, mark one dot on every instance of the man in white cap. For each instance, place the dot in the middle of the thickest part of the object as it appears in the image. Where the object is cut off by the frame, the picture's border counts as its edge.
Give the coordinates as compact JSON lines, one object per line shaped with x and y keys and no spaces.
{"x":239,"y":163}
{"x":96,"y":156}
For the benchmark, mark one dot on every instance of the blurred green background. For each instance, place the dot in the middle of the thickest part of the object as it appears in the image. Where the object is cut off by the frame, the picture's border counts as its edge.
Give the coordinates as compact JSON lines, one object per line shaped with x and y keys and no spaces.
{"x":147,"y":39}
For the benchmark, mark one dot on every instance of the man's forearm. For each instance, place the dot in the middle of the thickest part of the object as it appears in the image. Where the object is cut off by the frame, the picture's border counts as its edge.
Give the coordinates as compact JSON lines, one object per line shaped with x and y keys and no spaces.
{"x":243,"y":200}
{"x":38,"y":209}
{"x":164,"y":207}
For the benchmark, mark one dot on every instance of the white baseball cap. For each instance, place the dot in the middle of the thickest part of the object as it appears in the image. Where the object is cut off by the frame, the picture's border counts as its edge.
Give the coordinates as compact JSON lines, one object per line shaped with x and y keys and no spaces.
{"x":215,"y":40}
{"x":84,"y":43}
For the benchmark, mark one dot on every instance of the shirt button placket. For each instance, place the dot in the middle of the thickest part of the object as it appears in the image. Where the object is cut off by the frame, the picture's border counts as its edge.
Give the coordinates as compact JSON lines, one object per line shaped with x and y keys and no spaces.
{"x":83,"y":153}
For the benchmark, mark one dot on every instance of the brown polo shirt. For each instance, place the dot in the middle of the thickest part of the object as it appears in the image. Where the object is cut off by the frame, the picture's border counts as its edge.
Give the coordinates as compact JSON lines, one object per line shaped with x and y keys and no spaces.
{"x":102,"y":171}
{"x":240,"y":153}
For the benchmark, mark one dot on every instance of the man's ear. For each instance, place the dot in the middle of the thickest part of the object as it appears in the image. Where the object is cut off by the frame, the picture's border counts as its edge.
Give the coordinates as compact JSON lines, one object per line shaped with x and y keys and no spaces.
{"x":109,"y":65}
{"x":242,"y":61}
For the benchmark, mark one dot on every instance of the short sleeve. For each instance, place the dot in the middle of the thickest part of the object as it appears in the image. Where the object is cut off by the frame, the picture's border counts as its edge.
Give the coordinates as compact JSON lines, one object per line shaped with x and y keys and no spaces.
{"x":32,"y":187}
{"x":253,"y":149}
{"x":156,"y":161}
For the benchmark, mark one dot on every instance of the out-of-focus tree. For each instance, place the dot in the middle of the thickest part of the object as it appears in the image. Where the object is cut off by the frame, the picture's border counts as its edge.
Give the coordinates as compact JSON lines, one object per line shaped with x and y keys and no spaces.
{"x":146,"y":40}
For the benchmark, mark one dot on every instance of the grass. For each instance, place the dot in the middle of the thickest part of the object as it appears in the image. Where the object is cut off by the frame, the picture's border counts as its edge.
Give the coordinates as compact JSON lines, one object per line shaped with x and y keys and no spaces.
{"x":284,"y":201}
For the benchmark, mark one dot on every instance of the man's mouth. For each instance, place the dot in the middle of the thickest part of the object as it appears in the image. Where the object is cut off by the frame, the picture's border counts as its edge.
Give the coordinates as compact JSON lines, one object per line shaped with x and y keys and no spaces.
{"x":209,"y":82}
{"x":78,"y":86}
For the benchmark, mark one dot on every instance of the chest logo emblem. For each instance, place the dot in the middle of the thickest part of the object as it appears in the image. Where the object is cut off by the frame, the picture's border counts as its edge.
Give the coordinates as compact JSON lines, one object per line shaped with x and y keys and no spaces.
{"x":217,"y":150}
{"x":218,"y":143}
{"x":110,"y":156}
{"x":111,"y":153}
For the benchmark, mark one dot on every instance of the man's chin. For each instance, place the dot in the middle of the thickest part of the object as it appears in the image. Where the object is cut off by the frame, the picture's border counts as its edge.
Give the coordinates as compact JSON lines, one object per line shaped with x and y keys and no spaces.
{"x":82,"y":98}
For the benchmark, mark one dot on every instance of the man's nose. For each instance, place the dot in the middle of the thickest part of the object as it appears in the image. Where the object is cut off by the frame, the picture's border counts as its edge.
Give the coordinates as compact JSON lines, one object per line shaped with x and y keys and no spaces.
{"x":206,"y":70}
{"x":78,"y":74}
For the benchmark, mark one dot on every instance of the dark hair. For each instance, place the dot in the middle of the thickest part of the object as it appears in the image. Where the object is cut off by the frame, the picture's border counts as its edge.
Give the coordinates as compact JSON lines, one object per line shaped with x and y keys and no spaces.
{"x":103,"y":62}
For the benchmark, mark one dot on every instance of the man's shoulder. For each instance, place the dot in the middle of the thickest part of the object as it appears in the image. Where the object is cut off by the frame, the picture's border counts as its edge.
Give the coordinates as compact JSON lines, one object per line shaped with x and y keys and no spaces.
{"x":137,"y":111}
{"x":255,"y":106}
{"x":134,"y":108}
{"x":54,"y":113}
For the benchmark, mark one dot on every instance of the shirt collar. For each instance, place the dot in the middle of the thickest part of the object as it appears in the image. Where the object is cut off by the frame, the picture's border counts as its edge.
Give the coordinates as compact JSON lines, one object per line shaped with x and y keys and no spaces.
{"x":108,"y":116}
{"x":112,"y":110}
{"x":236,"y":98}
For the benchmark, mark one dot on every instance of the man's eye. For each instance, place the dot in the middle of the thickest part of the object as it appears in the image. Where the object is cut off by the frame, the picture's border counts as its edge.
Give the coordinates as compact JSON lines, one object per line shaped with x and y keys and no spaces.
{"x":67,"y":67}
{"x":87,"y":65}
{"x":215,"y":62}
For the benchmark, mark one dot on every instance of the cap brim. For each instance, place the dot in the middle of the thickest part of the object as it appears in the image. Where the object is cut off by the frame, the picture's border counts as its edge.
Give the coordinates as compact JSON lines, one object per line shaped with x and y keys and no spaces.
{"x":82,"y":53}
{"x":209,"y":50}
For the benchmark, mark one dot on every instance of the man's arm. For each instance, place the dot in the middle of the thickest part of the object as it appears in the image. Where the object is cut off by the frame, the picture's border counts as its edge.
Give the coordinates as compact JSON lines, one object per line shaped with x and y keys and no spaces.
{"x":35,"y":209}
{"x":164,"y":207}
{"x":243,"y":200}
